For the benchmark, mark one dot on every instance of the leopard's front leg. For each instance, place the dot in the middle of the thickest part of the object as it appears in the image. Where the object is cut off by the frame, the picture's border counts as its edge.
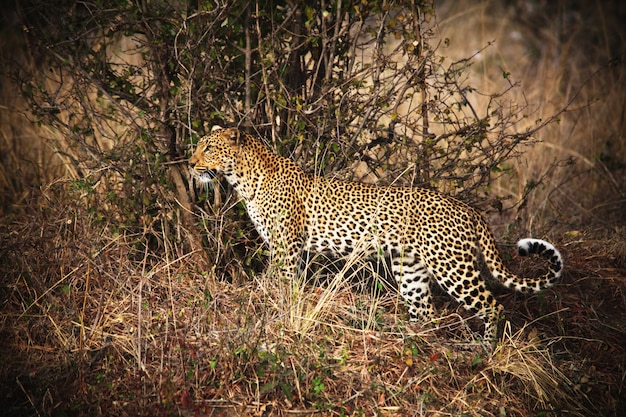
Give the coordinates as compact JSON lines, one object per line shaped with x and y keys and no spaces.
{"x":286,"y":244}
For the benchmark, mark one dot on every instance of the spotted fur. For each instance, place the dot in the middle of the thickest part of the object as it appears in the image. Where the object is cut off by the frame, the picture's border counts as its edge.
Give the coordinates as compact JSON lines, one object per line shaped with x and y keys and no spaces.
{"x":427,"y":236}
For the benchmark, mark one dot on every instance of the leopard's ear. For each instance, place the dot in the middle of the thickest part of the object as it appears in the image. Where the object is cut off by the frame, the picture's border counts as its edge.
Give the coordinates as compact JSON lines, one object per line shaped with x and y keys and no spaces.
{"x":233,"y":135}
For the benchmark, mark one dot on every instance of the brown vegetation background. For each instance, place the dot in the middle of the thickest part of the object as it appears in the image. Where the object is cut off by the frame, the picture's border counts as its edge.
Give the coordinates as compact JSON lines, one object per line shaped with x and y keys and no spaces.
{"x":109,"y":308}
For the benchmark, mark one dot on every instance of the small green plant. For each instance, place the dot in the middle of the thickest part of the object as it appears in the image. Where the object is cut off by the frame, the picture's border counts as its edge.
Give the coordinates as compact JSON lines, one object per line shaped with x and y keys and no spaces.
{"x":318,"y":385}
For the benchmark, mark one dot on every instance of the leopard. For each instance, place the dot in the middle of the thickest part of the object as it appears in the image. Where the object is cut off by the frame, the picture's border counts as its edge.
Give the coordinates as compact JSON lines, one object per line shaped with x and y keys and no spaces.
{"x":426,"y":236}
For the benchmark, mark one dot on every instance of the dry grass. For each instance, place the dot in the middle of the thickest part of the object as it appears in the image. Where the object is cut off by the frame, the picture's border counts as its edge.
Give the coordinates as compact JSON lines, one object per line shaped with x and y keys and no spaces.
{"x":102,"y":326}
{"x":564,"y":58}
{"x":98,"y":319}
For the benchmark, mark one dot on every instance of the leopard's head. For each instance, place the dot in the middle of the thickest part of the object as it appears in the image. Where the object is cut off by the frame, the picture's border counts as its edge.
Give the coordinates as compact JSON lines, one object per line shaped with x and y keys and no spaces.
{"x":215,"y":153}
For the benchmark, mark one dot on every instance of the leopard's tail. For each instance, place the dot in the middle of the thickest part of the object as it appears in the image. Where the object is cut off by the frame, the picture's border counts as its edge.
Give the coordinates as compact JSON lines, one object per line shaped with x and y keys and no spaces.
{"x":525,"y":247}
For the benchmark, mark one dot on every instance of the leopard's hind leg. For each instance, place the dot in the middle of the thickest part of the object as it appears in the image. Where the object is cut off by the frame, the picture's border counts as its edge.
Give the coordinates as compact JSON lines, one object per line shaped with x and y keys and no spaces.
{"x":414,"y":285}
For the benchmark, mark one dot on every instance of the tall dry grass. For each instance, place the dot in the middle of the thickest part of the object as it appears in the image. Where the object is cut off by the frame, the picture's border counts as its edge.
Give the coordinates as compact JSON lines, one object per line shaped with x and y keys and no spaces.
{"x":94,"y":323}
{"x":565,"y":56}
{"x":27,"y":160}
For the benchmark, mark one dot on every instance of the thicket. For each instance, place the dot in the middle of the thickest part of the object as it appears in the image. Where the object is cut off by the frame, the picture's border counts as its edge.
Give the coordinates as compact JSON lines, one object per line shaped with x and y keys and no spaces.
{"x":354,"y":89}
